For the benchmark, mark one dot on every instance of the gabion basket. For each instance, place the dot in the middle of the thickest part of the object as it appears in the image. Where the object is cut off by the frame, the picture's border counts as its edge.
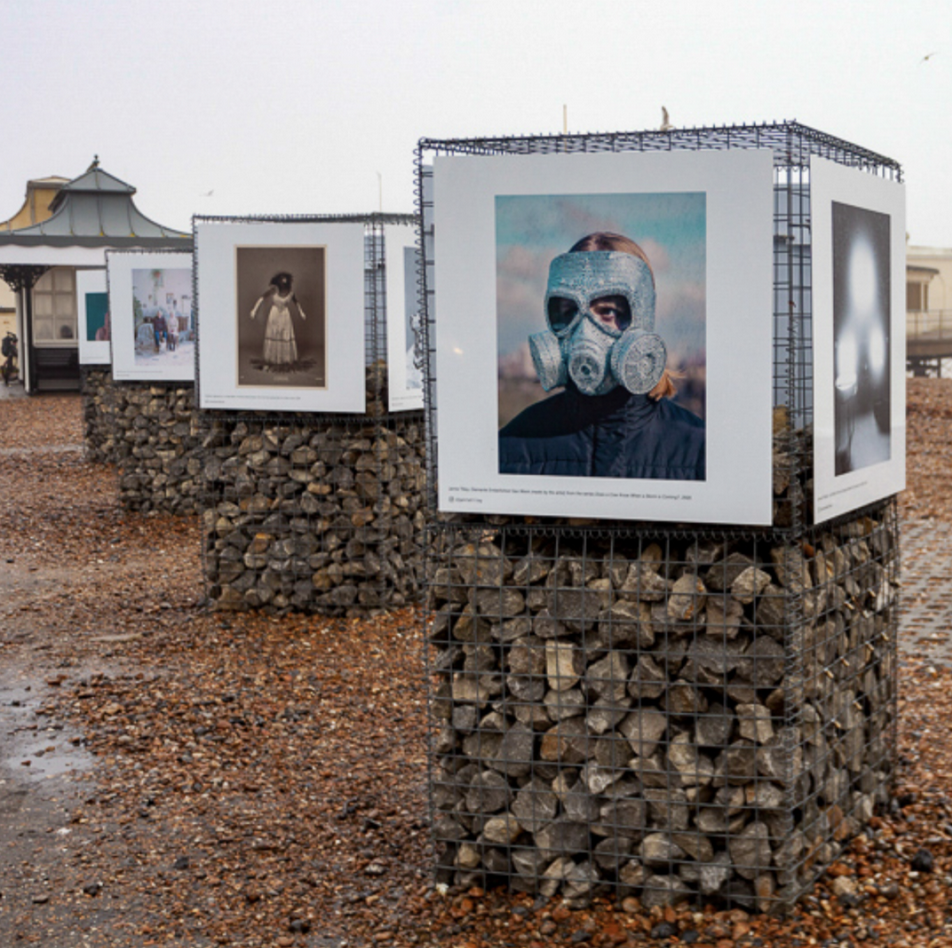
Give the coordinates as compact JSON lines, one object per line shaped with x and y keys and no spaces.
{"x":658,"y":710}
{"x":319,"y":512}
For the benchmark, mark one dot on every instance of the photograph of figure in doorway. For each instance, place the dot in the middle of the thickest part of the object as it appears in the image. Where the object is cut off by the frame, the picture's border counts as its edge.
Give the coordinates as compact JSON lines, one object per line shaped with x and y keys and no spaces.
{"x":281,"y":316}
{"x":602,"y":297}
{"x":861,"y":343}
{"x":162,"y":310}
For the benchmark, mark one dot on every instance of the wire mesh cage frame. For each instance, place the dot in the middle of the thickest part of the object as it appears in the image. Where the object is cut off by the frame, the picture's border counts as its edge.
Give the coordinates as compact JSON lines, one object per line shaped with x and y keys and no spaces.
{"x":298,"y":549}
{"x":806,"y":714}
{"x":375,"y":336}
{"x":98,"y":395}
{"x":792,"y":145}
{"x":126,"y":461}
{"x":387,"y":431}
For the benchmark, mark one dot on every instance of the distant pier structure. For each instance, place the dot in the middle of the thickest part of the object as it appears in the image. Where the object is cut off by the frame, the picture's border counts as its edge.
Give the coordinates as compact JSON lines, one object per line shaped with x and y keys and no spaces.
{"x":928,"y":310}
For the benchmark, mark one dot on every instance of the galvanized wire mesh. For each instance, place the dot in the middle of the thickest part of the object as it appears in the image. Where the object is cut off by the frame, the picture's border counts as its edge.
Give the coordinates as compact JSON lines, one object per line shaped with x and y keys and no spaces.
{"x":158,"y":445}
{"x":639,"y":711}
{"x":792,"y":145}
{"x":318,"y":512}
{"x":96,"y":388}
{"x":313,"y":515}
{"x":655,"y":709}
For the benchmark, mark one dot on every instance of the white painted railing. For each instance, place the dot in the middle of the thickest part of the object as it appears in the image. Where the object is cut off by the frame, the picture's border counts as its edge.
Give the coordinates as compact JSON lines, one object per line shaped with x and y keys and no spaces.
{"x":935,"y":324}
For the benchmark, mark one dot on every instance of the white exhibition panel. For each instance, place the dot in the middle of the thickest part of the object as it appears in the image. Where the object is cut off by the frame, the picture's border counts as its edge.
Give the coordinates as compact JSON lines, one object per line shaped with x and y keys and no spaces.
{"x":405,"y":383}
{"x":430,"y":268}
{"x":91,"y":351}
{"x":737,"y":186}
{"x":859,"y":274}
{"x":216,"y":246}
{"x":128,"y":365}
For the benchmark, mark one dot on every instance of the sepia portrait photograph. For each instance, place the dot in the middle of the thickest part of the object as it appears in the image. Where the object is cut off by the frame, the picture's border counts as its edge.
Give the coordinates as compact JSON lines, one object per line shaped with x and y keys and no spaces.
{"x":281,"y":308}
{"x":281,"y":316}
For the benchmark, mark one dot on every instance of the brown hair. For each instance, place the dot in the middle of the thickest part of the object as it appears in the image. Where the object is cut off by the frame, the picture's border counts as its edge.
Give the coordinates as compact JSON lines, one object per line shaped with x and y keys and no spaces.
{"x":606,"y":240}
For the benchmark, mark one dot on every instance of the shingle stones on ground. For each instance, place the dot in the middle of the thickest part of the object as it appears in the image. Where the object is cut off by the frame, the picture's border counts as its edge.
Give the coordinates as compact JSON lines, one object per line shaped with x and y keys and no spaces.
{"x":284,"y":757}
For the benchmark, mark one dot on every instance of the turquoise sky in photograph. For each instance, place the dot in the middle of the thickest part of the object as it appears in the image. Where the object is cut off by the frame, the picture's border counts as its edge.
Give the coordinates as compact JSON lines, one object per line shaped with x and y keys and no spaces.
{"x":670,"y":228}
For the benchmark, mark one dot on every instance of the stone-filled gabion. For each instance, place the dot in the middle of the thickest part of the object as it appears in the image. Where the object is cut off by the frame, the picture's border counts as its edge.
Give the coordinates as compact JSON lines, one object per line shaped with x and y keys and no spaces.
{"x":98,"y":414}
{"x":159,"y":441}
{"x":323,"y":516}
{"x":677,"y":716}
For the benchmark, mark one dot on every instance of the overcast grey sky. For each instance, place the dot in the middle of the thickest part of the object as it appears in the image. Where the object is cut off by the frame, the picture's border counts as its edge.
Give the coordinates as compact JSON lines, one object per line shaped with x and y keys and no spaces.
{"x":294,"y":106}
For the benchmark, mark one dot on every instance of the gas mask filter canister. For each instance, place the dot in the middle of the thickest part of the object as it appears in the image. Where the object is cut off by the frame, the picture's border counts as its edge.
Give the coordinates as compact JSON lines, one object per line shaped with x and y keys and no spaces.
{"x":578,"y":345}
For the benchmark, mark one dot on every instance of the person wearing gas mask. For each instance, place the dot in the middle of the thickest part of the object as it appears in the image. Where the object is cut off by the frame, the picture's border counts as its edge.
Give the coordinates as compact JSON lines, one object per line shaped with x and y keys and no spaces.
{"x":613,"y":417}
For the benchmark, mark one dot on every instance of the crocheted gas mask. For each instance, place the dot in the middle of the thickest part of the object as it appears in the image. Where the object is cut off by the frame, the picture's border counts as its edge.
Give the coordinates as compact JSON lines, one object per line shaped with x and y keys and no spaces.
{"x":579,"y":345}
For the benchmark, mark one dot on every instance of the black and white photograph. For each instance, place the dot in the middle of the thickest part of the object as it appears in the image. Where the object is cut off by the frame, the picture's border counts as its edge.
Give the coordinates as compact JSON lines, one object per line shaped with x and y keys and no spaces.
{"x":860,"y":337}
{"x":280,"y":316}
{"x":600,"y":348}
{"x":858,"y":244}
{"x":412,"y":328}
{"x":405,"y":379}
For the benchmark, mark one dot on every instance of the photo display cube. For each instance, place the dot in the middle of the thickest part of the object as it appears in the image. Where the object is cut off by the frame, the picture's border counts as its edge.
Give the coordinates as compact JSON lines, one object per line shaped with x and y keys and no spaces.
{"x":676,"y":682}
{"x":313,"y":483}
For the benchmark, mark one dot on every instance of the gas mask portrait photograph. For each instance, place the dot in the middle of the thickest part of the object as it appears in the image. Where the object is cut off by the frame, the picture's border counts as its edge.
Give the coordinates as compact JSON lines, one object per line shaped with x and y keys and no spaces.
{"x":613,"y":407}
{"x":600,"y":310}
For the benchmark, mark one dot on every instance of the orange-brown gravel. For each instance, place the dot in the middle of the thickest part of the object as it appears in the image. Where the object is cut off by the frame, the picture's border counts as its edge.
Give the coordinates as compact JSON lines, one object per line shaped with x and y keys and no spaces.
{"x":261,"y":781}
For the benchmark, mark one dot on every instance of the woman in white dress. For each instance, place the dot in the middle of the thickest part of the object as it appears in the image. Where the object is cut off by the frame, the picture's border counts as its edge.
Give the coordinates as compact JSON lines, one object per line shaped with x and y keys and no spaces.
{"x":279,"y":302}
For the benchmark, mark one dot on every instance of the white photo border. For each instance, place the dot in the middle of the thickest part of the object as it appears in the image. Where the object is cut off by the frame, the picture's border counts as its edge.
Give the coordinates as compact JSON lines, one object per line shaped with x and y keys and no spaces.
{"x":119,"y":267}
{"x":397,"y":239}
{"x":835,"y":495}
{"x":216,"y":279}
{"x":91,"y":351}
{"x":739,"y":195}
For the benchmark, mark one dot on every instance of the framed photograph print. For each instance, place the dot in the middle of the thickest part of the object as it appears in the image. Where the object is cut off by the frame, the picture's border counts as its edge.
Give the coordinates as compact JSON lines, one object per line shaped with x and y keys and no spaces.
{"x":859,"y":342}
{"x":405,"y":379}
{"x":281,"y":315}
{"x":92,"y":310}
{"x":604,"y":335}
{"x":151,"y":316}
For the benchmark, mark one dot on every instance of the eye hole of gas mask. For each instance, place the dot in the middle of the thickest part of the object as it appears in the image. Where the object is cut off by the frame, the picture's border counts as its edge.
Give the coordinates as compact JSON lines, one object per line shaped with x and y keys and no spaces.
{"x":611,"y":312}
{"x":562,"y":313}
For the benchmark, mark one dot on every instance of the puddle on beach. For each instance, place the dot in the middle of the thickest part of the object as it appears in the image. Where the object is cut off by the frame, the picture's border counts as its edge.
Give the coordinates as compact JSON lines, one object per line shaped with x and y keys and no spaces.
{"x":45,"y":741}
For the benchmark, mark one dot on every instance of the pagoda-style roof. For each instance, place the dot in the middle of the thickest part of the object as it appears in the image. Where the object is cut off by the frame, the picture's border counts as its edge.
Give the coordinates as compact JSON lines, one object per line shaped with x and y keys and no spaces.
{"x":95,"y":210}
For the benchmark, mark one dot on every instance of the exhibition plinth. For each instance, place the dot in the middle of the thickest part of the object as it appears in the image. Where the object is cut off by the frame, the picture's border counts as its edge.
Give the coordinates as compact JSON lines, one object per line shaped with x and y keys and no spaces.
{"x":662,"y":596}
{"x":314,"y":451}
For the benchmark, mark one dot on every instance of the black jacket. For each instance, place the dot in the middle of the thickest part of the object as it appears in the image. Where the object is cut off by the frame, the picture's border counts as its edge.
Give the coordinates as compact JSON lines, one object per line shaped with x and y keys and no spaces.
{"x":613,"y":435}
